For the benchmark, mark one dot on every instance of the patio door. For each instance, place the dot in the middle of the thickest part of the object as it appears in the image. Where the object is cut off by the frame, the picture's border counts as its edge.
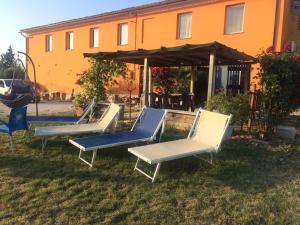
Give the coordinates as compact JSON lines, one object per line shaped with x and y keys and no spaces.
{"x":201,"y":86}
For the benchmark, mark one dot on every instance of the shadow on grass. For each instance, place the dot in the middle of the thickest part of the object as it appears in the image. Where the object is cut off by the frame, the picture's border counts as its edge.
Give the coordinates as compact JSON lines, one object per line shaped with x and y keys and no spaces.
{"x":240,"y":165}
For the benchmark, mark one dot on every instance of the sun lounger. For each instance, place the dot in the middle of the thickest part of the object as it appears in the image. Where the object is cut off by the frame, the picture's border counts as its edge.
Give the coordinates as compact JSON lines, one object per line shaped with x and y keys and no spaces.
{"x":205,"y":136}
{"x":109,"y":116}
{"x":84,"y":117}
{"x":148,"y":127}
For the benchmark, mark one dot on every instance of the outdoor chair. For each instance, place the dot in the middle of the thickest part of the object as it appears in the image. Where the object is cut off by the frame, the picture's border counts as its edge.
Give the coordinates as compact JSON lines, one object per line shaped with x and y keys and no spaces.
{"x":147,"y":128}
{"x":88,"y":112}
{"x":205,"y":136}
{"x":17,"y":121}
{"x":110,"y":116}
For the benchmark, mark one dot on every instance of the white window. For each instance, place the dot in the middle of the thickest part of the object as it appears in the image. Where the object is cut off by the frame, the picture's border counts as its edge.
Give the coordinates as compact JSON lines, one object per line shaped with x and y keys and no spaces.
{"x":95,"y":35}
{"x":70,"y":40}
{"x":49,"y":43}
{"x":123,"y":34}
{"x":184,"y":26}
{"x":234,"y":21}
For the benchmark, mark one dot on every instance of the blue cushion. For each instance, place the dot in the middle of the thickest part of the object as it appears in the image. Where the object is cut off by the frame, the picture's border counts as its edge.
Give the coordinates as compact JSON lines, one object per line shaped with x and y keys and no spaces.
{"x":107,"y":140}
{"x":4,"y":129}
{"x":52,"y":119}
{"x":144,"y":130}
{"x":149,"y":120}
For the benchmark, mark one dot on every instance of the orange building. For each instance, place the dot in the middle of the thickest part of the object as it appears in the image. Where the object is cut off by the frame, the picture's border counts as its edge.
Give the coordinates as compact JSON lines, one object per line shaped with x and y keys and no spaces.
{"x":247,"y":25}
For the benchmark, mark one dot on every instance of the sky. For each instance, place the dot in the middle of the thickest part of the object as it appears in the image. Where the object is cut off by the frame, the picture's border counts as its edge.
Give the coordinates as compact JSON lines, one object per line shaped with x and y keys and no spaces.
{"x":19,"y":14}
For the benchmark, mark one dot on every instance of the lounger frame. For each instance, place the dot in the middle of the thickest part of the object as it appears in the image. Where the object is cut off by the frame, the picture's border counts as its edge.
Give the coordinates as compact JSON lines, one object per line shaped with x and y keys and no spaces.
{"x":115,"y":121}
{"x":161,"y":127}
{"x":190,"y":135}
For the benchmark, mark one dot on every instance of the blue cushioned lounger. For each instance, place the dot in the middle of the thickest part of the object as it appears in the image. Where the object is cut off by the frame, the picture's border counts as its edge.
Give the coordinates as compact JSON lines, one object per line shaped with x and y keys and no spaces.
{"x":64,"y":119}
{"x":148,"y":127}
{"x":53,"y":119}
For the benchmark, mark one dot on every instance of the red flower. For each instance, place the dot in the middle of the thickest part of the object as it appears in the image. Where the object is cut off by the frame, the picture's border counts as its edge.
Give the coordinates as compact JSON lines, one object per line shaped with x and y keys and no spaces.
{"x":270,"y":50}
{"x":287,"y":47}
{"x":298,"y":56}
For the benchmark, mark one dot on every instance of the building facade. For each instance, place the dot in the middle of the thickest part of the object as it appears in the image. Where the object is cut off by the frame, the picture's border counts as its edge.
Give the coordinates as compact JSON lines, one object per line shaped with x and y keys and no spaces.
{"x":246,"y":25}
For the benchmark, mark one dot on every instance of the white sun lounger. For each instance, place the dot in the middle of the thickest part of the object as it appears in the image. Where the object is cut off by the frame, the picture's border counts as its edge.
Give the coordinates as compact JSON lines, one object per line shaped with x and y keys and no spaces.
{"x":110,"y":115}
{"x":205,"y":136}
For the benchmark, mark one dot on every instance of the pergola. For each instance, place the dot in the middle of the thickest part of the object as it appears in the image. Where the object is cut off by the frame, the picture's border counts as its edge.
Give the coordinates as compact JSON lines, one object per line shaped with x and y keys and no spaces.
{"x":205,"y":55}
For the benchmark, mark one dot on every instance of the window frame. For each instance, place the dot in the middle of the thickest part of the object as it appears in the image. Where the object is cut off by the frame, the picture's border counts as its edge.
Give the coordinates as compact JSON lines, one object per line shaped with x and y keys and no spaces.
{"x":120,"y":34}
{"x":68,"y":40}
{"x":48,"y":47}
{"x":243,"y":22}
{"x":92,"y":37}
{"x":178,"y":26}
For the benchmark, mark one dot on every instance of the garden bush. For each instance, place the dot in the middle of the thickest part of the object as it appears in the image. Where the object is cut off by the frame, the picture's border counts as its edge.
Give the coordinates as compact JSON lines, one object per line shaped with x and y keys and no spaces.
{"x":278,"y":74}
{"x":238,"y":106}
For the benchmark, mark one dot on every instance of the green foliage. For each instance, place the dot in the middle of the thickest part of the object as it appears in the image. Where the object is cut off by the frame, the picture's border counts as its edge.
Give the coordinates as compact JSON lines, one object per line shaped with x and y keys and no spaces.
{"x":98,"y":78}
{"x":8,"y":67}
{"x":238,"y":106}
{"x":171,"y":80}
{"x":7,"y":59}
{"x":278,"y":73}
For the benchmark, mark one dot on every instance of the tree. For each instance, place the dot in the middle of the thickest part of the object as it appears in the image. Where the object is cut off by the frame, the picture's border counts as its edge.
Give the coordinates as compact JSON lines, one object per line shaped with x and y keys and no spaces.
{"x":8,"y":66}
{"x":7,"y":59}
{"x":278,"y":74}
{"x":97,"y":79}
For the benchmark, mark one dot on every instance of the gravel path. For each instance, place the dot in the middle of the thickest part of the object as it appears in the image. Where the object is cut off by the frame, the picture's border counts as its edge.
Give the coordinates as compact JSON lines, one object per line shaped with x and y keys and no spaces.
{"x":44,"y":108}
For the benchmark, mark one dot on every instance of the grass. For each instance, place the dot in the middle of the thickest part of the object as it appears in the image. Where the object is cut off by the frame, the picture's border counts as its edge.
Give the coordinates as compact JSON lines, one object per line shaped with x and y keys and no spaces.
{"x":248,"y":184}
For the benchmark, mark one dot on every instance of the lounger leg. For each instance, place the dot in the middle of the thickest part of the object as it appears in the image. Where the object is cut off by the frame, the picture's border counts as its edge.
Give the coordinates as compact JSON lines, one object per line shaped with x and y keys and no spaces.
{"x":85,"y":161}
{"x":210,"y":160}
{"x":11,"y":142}
{"x":44,"y":144}
{"x":156,"y":172}
{"x":144,"y":173}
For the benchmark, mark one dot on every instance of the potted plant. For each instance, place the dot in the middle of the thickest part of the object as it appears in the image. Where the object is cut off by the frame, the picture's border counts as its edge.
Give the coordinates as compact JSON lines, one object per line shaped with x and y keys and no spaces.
{"x":79,"y":103}
{"x":238,"y":106}
{"x":46,"y":95}
{"x":63,"y":96}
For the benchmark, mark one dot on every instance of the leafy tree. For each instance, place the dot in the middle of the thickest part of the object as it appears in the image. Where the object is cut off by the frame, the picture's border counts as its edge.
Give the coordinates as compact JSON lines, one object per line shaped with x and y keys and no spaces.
{"x":8,"y":66}
{"x":7,"y":59}
{"x":97,"y":80}
{"x":278,"y":75}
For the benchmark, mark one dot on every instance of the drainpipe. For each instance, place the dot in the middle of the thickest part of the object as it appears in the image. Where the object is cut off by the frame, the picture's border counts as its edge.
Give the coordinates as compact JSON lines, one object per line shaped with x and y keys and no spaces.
{"x":275,"y":31}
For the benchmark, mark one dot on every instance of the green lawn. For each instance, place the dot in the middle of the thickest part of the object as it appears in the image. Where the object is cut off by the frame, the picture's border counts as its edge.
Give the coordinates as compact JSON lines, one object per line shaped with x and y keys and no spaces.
{"x":248,"y":184}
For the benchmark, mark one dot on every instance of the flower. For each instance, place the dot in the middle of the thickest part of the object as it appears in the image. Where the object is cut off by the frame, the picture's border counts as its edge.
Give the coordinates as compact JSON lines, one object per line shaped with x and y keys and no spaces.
{"x":298,"y":56}
{"x":287,"y":47}
{"x":269,"y":50}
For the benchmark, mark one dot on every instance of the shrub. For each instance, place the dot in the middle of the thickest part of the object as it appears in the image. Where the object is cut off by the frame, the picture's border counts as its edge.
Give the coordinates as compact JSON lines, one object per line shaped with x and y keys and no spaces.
{"x":277,"y":75}
{"x":238,"y":106}
{"x":98,"y":78}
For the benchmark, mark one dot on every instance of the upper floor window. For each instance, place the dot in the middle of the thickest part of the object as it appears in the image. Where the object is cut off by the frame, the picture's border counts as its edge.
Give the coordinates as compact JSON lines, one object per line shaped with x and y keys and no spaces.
{"x":123,"y":34}
{"x":234,"y":21}
{"x":69,"y":40}
{"x":184,"y":25}
{"x":49,"y":43}
{"x":94,"y":35}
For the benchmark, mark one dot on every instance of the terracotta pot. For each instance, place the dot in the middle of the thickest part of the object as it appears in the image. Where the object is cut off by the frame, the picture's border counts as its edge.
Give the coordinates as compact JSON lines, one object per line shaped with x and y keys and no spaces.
{"x":78,"y":111}
{"x":46,"y":96}
{"x":63,"y":96}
